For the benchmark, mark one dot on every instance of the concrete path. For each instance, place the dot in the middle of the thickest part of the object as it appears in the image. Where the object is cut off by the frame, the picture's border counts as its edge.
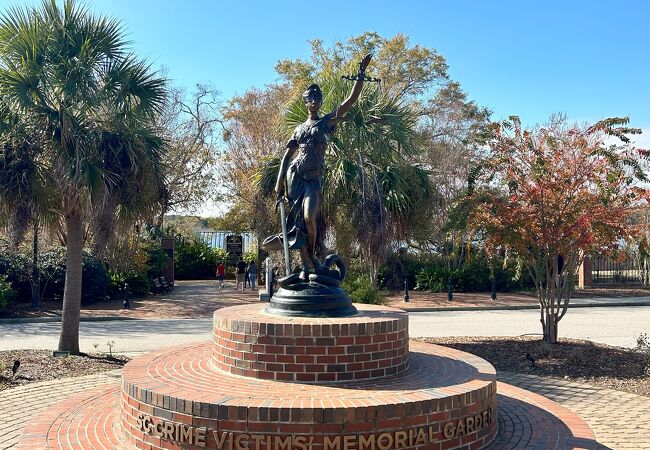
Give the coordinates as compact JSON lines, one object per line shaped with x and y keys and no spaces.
{"x":618,"y":326}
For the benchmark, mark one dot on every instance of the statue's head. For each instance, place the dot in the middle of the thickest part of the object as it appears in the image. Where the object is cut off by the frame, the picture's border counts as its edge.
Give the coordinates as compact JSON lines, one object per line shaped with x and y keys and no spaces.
{"x":313,"y":96}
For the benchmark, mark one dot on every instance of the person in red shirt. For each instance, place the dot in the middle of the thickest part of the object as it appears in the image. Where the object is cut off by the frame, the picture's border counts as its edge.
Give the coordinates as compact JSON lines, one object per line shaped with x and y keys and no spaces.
{"x":221,"y":274}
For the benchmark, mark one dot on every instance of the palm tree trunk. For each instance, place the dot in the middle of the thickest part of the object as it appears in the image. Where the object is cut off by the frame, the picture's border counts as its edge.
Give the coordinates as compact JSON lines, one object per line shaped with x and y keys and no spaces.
{"x":36,"y":276}
{"x":69,"y":339}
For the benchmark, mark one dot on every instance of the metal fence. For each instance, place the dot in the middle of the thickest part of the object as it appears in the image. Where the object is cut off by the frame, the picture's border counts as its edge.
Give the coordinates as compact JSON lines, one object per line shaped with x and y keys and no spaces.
{"x":625,"y":268}
{"x":217,"y":239}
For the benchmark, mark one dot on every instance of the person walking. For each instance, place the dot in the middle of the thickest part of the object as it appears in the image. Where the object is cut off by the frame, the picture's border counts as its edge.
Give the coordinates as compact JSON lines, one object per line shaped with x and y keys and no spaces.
{"x":221,"y":274}
{"x":252,"y":272}
{"x":241,"y":272}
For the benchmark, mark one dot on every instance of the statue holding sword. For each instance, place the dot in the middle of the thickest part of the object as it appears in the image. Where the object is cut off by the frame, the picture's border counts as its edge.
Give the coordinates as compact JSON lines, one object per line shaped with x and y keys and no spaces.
{"x":302,"y":169}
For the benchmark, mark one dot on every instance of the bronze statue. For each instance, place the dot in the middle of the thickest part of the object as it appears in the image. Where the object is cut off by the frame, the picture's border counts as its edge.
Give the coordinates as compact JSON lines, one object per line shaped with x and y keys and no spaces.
{"x":315,"y":291}
{"x":303,"y":168}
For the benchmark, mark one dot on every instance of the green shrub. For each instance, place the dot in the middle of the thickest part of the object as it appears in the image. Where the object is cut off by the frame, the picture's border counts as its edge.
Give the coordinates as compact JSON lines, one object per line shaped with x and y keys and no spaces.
{"x":432,"y":278}
{"x":94,"y":281}
{"x":6,"y":292}
{"x":139,"y":284}
{"x":116,"y":284}
{"x":398,"y":268}
{"x":361,"y":290}
{"x":250,"y":256}
{"x":17,"y":268}
{"x":195,"y":260}
{"x":156,"y":259}
{"x":472,"y":276}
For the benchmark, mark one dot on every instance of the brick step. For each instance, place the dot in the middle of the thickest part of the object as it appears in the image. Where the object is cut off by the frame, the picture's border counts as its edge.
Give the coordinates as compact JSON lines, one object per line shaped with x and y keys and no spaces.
{"x":183,"y":385}
{"x":89,"y":420}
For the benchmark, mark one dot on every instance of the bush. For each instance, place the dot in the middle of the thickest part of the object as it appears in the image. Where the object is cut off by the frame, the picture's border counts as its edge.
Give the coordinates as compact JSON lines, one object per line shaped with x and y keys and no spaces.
{"x":432,"y":278}
{"x":398,"y":268}
{"x":361,"y":290}
{"x":156,"y":259}
{"x":195,"y":260}
{"x":17,"y":268}
{"x":148,"y":261}
{"x":139,"y":283}
{"x":6,"y":292}
{"x":116,"y":284}
{"x":94,"y":281}
{"x":250,"y":256}
{"x":473,"y":276}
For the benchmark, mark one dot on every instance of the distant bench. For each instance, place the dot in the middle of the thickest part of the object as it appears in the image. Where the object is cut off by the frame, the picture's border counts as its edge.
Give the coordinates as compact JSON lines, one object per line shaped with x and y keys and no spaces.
{"x":161,"y":285}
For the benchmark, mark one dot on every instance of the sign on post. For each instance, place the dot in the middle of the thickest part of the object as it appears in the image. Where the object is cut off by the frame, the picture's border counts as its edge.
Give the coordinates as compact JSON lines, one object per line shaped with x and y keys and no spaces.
{"x":235,"y":248}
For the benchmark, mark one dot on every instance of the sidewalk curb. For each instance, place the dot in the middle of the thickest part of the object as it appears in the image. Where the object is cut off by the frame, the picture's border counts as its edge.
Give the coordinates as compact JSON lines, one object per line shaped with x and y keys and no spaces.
{"x":58,"y":319}
{"x":403,"y":306}
{"x":515,"y":307}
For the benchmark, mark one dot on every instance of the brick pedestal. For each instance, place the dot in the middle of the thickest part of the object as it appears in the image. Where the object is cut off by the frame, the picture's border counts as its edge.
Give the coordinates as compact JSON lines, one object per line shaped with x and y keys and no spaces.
{"x":271,"y":383}
{"x":370,"y":345}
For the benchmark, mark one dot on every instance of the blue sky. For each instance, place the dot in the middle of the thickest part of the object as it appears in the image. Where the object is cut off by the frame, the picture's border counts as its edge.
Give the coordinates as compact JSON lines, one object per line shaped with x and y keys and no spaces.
{"x":588,"y":59}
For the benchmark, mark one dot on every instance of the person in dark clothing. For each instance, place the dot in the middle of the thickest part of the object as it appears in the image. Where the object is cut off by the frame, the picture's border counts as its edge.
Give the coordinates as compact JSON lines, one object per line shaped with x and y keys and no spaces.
{"x":252,"y":273}
{"x":241,"y":273}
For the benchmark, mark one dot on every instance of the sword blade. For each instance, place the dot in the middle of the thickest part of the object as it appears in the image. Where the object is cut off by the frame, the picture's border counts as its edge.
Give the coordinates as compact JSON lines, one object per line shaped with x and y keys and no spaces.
{"x":285,"y":242}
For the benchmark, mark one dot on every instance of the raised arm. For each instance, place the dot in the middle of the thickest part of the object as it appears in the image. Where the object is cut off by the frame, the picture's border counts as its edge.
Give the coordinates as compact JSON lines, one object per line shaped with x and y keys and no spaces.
{"x":356,"y":90}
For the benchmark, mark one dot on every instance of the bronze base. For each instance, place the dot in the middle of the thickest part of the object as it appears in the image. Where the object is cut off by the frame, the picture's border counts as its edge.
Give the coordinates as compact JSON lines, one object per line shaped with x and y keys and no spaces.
{"x":310,"y":299}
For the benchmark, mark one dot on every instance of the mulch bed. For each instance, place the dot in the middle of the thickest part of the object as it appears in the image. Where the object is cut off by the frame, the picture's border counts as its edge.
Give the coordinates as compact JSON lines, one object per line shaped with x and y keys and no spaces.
{"x":40,"y":365}
{"x":612,"y":291}
{"x":47,"y":308}
{"x":570,"y":359}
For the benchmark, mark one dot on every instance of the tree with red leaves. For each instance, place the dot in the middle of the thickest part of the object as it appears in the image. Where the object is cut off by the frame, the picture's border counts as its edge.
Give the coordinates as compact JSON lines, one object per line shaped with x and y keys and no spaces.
{"x":552,"y":195}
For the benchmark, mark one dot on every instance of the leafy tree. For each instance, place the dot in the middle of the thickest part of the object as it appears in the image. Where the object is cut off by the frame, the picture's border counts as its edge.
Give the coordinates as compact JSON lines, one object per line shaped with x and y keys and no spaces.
{"x":453,"y":130}
{"x":552,"y":195}
{"x":194,"y":259}
{"x":405,"y":70}
{"x":69,"y":78}
{"x":253,"y":135}
{"x":189,"y":125}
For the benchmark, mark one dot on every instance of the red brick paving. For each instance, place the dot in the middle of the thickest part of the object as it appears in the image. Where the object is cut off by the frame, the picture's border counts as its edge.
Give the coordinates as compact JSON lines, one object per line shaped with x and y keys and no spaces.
{"x":530,"y":421}
{"x":189,"y":299}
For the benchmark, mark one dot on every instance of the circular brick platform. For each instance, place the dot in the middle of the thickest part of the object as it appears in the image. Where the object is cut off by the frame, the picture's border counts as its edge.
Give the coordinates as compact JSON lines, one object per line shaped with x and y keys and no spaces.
{"x":441,"y":388}
{"x":89,"y":420}
{"x":369,"y":345}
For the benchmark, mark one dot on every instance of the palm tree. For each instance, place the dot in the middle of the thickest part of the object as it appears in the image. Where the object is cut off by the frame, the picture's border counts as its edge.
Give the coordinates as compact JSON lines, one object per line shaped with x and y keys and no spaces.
{"x":69,"y":77}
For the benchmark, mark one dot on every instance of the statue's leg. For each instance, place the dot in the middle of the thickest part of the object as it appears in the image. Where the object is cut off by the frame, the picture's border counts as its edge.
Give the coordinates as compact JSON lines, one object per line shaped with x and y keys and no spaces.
{"x":304,"y":256}
{"x":311,"y":208}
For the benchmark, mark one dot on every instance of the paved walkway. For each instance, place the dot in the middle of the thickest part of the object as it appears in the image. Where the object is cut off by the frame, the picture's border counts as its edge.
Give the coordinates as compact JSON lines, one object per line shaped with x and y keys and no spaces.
{"x":463,"y":301}
{"x":619,"y":420}
{"x":20,"y":404}
{"x":194,"y":299}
